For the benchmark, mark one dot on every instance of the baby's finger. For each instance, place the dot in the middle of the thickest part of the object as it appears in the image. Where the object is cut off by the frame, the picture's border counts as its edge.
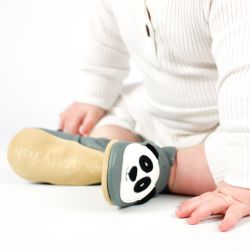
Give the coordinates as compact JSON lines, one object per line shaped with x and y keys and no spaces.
{"x":88,"y":123}
{"x":204,"y":197}
{"x":72,"y":124}
{"x":186,"y":209}
{"x":190,"y":205}
{"x":187,"y":202}
{"x":182,"y":203}
{"x":215,"y":205}
{"x":233,"y":214}
{"x":202,"y":212}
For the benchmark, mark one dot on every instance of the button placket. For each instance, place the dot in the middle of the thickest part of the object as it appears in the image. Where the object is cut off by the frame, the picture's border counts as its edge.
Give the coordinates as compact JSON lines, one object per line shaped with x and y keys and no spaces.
{"x":150,"y":45}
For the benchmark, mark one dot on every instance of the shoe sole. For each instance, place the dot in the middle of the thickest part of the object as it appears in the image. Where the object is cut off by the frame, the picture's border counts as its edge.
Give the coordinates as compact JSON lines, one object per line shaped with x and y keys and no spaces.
{"x":105,"y":169}
{"x":38,"y":156}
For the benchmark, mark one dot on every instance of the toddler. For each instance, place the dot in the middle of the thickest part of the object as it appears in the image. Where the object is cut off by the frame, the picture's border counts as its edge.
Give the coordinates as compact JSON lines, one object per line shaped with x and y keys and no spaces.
{"x":184,"y":129}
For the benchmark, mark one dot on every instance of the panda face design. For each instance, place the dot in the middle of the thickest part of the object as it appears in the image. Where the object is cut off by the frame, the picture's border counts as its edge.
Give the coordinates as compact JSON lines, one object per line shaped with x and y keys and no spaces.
{"x":140,"y":172}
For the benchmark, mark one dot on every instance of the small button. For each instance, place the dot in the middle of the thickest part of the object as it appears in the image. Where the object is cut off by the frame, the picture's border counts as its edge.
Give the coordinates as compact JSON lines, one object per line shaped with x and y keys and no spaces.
{"x":149,"y":16}
{"x":147,"y":30}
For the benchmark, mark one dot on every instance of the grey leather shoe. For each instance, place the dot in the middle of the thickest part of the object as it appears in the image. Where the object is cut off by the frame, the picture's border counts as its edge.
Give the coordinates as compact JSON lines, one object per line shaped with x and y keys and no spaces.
{"x":42,"y":155}
{"x":133,"y":173}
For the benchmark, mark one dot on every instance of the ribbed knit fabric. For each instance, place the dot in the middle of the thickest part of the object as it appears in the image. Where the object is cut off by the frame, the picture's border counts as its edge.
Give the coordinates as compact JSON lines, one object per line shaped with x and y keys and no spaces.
{"x":194,"y":56}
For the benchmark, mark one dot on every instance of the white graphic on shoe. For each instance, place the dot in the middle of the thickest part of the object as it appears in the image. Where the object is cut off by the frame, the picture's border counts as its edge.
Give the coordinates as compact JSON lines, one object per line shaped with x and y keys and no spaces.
{"x":140,"y":172}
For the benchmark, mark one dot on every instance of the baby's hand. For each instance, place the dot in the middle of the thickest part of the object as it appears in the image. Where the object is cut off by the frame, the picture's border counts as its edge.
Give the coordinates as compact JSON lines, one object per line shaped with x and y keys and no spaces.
{"x":231,"y":201}
{"x":80,"y":118}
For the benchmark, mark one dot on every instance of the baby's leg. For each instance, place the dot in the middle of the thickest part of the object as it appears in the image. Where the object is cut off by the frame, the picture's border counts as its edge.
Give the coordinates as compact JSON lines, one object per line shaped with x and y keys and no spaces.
{"x":114,"y":132}
{"x":191,"y":174}
{"x":55,"y":157}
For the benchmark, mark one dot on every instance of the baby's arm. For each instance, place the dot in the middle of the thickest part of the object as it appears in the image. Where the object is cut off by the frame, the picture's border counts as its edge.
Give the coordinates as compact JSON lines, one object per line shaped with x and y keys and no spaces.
{"x":191,"y":176}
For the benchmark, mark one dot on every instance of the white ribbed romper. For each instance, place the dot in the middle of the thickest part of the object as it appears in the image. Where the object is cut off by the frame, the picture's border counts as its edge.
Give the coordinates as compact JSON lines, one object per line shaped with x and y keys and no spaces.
{"x":194,"y":57}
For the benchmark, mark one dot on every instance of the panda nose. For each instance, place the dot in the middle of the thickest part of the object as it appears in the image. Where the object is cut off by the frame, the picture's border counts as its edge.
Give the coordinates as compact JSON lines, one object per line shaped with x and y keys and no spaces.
{"x":142,"y":184}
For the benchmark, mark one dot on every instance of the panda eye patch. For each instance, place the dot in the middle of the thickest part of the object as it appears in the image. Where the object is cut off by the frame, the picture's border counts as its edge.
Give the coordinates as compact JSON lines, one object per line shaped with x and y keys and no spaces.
{"x":146,"y":164}
{"x":133,"y":173}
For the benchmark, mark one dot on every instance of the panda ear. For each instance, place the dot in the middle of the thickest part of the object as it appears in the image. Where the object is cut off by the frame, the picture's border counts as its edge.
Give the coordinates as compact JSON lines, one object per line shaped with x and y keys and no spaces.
{"x":153,"y":150}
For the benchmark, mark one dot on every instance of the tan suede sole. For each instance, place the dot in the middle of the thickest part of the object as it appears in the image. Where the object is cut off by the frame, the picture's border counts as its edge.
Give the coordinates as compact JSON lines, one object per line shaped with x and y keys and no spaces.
{"x":105,"y":172}
{"x":39,"y":156}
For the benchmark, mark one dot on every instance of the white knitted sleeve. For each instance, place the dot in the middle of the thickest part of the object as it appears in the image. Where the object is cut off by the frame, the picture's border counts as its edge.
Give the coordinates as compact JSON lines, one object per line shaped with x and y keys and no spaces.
{"x":106,"y":60}
{"x":229,"y":22}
